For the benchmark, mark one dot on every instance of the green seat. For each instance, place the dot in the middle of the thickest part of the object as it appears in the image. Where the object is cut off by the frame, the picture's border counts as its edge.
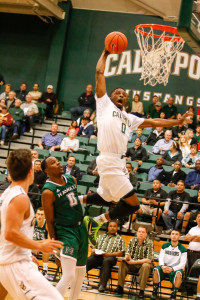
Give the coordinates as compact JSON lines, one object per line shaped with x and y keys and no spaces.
{"x":43,"y":153}
{"x":130,"y":145}
{"x":153,"y":158}
{"x":89,"y":158}
{"x":93,"y":142}
{"x":146,"y":132}
{"x":82,"y":167}
{"x":87,"y":180}
{"x":79,"y":157}
{"x":146,"y":166}
{"x":66,"y":115}
{"x":2,"y":177}
{"x":141,"y":176}
{"x":148,"y":148}
{"x":42,"y":109}
{"x":168,"y":168}
{"x":133,"y":163}
{"x":168,"y":189}
{"x":61,"y":156}
{"x":187,"y":170}
{"x":82,"y":140}
{"x":81,"y":189}
{"x":144,"y":186}
{"x":91,"y":149}
{"x":192,"y":193}
{"x":93,"y":189}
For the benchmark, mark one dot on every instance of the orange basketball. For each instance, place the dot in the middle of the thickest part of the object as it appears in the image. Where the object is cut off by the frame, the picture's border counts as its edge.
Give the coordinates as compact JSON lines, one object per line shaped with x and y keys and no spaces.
{"x":116,"y":42}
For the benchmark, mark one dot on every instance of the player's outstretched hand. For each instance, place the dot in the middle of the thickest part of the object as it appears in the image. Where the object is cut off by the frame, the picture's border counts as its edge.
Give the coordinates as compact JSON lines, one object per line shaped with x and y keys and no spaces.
{"x":50,"y":246}
{"x":187,"y":118}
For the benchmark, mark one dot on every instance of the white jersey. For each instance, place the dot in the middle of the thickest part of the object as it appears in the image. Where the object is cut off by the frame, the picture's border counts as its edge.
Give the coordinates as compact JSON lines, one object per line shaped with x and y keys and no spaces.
{"x":10,"y":252}
{"x":114,"y":126}
{"x":195,"y":246}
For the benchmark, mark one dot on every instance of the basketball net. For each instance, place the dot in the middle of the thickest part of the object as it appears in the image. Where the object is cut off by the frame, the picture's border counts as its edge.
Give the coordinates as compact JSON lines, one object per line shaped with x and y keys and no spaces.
{"x":158,"y":53}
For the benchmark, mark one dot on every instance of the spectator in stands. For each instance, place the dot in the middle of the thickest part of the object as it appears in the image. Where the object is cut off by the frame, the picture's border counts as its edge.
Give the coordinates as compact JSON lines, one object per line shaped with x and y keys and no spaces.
{"x":127,"y":103}
{"x":190,"y":159}
{"x":172,"y":155}
{"x":35,"y":93}
{"x":108,"y":247}
{"x":138,"y":134}
{"x":86,"y":129}
{"x":5,"y":183}
{"x":70,"y":144}
{"x":92,"y":170}
{"x":86,"y":113}
{"x":192,"y":180}
{"x":193,"y":119}
{"x":6,"y":120}
{"x":156,"y":135}
{"x":155,"y":170}
{"x":5,"y":94}
{"x":30,"y":111}
{"x":172,"y":261}
{"x":2,"y":81}
{"x":162,"y":115}
{"x":11,"y":99}
{"x":156,"y":111}
{"x":190,"y":137}
{"x":86,"y":100}
{"x":51,"y":140}
{"x":170,"y":109}
{"x":18,"y":116}
{"x":39,"y":176}
{"x":184,"y":146}
{"x":139,"y":257}
{"x":193,"y":237}
{"x":163,"y":145}
{"x":175,"y":207}
{"x":137,"y":106}
{"x":151,"y":106}
{"x":22,"y":92}
{"x":171,"y":178}
{"x":33,"y":193}
{"x":149,"y":205}
{"x":137,"y":153}
{"x":50,"y":99}
{"x":197,"y":134}
{"x":34,"y":155}
{"x":2,"y":103}
{"x":93,"y":119}
{"x":71,"y":168}
{"x":179,"y":130}
{"x":192,"y":212}
{"x":73,"y":126}
{"x":133,"y":179}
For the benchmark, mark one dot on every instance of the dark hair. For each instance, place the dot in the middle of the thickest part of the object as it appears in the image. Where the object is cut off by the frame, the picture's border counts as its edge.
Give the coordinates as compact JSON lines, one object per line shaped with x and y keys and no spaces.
{"x":40,"y":208}
{"x":72,"y":156}
{"x":182,"y":181}
{"x":177,"y":230}
{"x":137,"y":96}
{"x":43,"y":164}
{"x":194,"y":146}
{"x":121,"y":88}
{"x":176,"y":145}
{"x":112,"y":221}
{"x":128,"y":163}
{"x":140,"y":226}
{"x":37,"y":160}
{"x":192,"y":107}
{"x":19,"y":163}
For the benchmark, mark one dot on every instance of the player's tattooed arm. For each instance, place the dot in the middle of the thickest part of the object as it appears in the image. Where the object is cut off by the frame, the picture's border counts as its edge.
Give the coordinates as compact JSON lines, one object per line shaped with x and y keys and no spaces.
{"x":100,"y":78}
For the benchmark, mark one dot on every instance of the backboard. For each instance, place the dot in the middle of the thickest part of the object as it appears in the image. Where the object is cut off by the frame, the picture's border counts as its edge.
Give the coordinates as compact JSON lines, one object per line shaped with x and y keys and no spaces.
{"x":189,"y":23}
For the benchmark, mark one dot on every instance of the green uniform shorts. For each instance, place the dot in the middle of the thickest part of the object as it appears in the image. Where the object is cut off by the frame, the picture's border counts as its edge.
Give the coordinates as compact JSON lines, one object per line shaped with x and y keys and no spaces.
{"x":171,"y":275}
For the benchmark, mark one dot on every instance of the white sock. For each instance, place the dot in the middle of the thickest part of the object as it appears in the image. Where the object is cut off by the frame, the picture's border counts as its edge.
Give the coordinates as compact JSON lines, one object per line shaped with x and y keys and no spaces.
{"x":68,"y":274}
{"x":81,"y":199}
{"x":77,"y":283}
{"x":45,"y":266}
{"x":102,"y":219}
{"x":198,"y":295}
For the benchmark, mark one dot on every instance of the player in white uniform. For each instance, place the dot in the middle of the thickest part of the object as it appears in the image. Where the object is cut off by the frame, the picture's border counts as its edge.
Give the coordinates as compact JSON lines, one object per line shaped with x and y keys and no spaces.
{"x":18,"y":274}
{"x":114,"y":126}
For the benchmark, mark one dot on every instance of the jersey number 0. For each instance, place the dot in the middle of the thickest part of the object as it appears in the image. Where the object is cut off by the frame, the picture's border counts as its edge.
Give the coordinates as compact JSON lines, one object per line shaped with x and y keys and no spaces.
{"x":72,"y":199}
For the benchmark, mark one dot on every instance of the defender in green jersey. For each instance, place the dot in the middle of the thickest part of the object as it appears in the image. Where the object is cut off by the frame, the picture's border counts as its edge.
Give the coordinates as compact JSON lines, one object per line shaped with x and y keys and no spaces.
{"x":64,"y":217}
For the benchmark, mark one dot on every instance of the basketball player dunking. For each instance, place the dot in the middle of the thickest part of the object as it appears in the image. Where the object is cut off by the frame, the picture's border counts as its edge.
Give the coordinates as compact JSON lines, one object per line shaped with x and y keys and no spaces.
{"x":114,"y":126}
{"x":18,"y":274}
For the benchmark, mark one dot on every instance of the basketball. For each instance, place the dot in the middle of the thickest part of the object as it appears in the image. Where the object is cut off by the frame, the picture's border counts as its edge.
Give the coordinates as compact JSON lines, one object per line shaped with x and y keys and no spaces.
{"x":116,"y":42}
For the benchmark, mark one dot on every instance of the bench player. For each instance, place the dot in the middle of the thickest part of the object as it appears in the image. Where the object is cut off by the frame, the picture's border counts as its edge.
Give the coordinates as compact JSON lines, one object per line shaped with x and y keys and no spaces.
{"x":114,"y":127}
{"x":18,"y":274}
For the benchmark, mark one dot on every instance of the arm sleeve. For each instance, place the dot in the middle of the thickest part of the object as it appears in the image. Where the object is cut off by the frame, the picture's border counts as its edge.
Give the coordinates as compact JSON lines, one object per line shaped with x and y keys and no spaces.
{"x":156,"y":147}
{"x":189,"y":179}
{"x":91,"y":167}
{"x":150,"y":250}
{"x":90,"y":131}
{"x":63,"y":144}
{"x":144,"y":155}
{"x":161,"y":257}
{"x":76,"y":147}
{"x":168,"y":202}
{"x":182,"y":263}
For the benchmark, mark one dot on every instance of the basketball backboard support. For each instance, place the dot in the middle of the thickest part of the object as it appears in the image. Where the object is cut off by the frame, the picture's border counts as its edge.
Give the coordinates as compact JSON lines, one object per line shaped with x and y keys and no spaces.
{"x":189,"y":23}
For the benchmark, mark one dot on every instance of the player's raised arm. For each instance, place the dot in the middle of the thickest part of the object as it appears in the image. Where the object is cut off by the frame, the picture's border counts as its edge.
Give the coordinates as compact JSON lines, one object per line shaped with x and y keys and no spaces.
{"x":100,"y":78}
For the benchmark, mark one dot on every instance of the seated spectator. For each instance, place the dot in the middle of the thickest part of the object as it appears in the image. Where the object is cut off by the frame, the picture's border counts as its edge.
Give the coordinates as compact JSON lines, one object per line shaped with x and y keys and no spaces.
{"x":33,"y":193}
{"x":175,"y":207}
{"x":2,"y":103}
{"x":190,"y":137}
{"x":86,"y":129}
{"x":18,"y":116}
{"x":109,"y":246}
{"x":5,"y":183}
{"x":179,"y":130}
{"x":35,"y":93}
{"x":137,"y":106}
{"x":193,"y":237}
{"x":51,"y":140}
{"x":183,"y":145}
{"x":30,"y":111}
{"x":34,"y":155}
{"x":50,"y":99}
{"x":155,"y":170}
{"x":92,"y":170}
{"x":71,"y":168}
{"x":11,"y":99}
{"x":86,"y":101}
{"x":5,"y":94}
{"x":162,"y":115}
{"x":133,"y":136}
{"x":86,"y":113}
{"x":192,"y":212}
{"x":6,"y":120}
{"x":139,"y":257}
{"x":172,"y":262}
{"x":137,"y":153}
{"x":22,"y":92}
{"x":39,"y":176}
{"x":70,"y":144}
{"x":197,"y":134}
{"x":149,"y":205}
{"x":93,"y":119}
{"x":192,"y":180}
{"x":170,"y":109}
{"x":156,"y":135}
{"x":73,"y":126}
{"x":151,"y":106}
{"x":171,"y":178}
{"x":190,"y":159}
{"x":127,"y":103}
{"x":156,"y":111}
{"x":133,"y":179}
{"x":163,"y":145}
{"x":172,"y":155}
{"x":193,"y":118}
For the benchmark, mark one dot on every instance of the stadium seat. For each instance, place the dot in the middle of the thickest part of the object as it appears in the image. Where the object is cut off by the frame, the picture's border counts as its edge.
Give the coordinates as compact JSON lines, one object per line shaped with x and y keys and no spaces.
{"x":153,"y":158}
{"x":2,"y":177}
{"x":133,"y":163}
{"x":148,"y":148}
{"x":89,"y":158}
{"x":144,"y":186}
{"x":66,"y":115}
{"x":187,"y":170}
{"x":145,"y":166}
{"x":192,"y":193}
{"x":41,"y":109}
{"x":168,"y":189}
{"x":79,"y":157}
{"x":141,"y":176}
{"x":168,"y":168}
{"x":81,"y":189}
{"x":87,"y":180}
{"x":82,"y":140}
{"x":43,"y":153}
{"x":146,"y":132}
{"x":61,"y":156}
{"x":82,"y":167}
{"x":93,"y":142}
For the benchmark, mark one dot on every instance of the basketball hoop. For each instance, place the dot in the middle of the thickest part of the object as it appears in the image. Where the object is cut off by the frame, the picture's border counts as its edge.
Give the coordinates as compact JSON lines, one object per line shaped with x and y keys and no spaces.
{"x":158,"y":50}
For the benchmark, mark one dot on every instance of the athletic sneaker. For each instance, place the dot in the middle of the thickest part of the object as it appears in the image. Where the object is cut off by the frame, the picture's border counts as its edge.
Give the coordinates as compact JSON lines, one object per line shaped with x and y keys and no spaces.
{"x":92,"y":227}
